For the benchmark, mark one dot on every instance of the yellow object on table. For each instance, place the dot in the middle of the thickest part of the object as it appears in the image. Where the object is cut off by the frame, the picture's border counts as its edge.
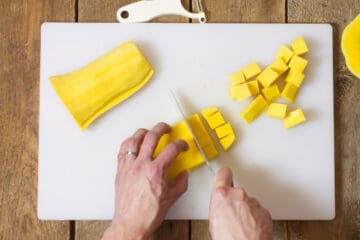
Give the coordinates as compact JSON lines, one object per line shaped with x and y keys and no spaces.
{"x":240,"y":92}
{"x":192,"y":157}
{"x":227,"y":141}
{"x":215,"y":120}
{"x":295,"y":77}
{"x":237,"y":78}
{"x":298,"y":63}
{"x":100,"y":85}
{"x":284,"y":53}
{"x":350,"y":45}
{"x":254,"y":87}
{"x":254,"y":109}
{"x":267,"y":77}
{"x":251,"y":70}
{"x":299,"y":46}
{"x":290,"y":92}
{"x":277,"y":110}
{"x":279,"y":66}
{"x":294,"y":118}
{"x":271,"y":93}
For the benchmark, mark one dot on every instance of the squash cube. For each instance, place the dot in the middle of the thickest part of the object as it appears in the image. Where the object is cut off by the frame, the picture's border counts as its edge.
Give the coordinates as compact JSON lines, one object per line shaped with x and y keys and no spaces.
{"x":215,"y":120}
{"x":237,"y":78}
{"x":289,"y":92}
{"x":294,"y":118}
{"x":240,"y":92}
{"x":267,"y":77}
{"x":271,"y":93}
{"x":299,"y":46}
{"x":207,"y":112}
{"x":224,"y":130}
{"x":254,"y":109}
{"x":251,"y":70}
{"x":277,"y":110}
{"x":279,"y":66}
{"x":254,"y":87}
{"x":211,"y":151}
{"x":227,"y":142}
{"x":284,"y":53}
{"x":295,"y":77}
{"x":298,"y":63}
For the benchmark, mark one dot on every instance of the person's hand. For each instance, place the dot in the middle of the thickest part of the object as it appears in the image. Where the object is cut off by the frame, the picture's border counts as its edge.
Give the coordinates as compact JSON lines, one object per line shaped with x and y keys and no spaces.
{"x":234,"y":215}
{"x":142,"y":195}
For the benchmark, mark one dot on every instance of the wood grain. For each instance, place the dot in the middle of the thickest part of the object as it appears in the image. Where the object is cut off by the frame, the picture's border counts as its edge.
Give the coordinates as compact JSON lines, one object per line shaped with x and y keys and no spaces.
{"x":233,"y":11}
{"x":105,"y":11}
{"x":347,"y":125}
{"x":19,"y":100}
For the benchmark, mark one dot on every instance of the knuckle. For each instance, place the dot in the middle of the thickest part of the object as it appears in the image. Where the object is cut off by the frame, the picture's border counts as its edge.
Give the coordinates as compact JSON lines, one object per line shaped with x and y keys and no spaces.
{"x":242,"y":193}
{"x":173,"y":147}
{"x":155,"y":170}
{"x":152,"y":136}
{"x":221,"y":192}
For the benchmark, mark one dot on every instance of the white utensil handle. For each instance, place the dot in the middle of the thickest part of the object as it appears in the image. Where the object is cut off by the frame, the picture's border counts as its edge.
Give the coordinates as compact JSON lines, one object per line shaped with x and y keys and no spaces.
{"x":146,"y":10}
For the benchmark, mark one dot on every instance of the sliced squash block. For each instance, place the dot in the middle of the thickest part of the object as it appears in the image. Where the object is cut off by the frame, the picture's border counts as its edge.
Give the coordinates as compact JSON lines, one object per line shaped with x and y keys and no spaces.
{"x":192,"y":157}
{"x":253,"y":87}
{"x":240,"y":92}
{"x":254,"y":109}
{"x":277,"y":110}
{"x":294,"y":118}
{"x":211,"y":151}
{"x":251,"y":70}
{"x":267,"y":77}
{"x":227,"y":142}
{"x":237,"y":78}
{"x":271,"y":93}
{"x":284,"y":53}
{"x":207,"y":112}
{"x":215,"y":120}
{"x":102,"y":84}
{"x":279,"y":66}
{"x":298,"y":63}
{"x":350,"y":46}
{"x":224,"y":130}
{"x":290,"y":92}
{"x":299,"y":46}
{"x":295,"y":77}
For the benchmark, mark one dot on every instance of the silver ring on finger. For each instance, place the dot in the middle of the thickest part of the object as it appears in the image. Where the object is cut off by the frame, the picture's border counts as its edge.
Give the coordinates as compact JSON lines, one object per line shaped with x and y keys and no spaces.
{"x":131,"y":153}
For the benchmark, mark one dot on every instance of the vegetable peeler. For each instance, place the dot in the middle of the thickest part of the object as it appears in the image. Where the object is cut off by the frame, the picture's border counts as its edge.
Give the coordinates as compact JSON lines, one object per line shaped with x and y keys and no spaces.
{"x":146,"y":10}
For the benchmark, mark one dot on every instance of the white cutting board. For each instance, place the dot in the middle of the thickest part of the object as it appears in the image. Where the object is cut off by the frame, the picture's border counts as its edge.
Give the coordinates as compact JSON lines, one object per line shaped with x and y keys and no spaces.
{"x":291,"y":172}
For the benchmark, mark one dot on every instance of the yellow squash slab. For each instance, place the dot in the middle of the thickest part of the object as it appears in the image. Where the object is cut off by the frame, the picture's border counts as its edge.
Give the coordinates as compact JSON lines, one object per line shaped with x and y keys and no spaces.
{"x":284,"y":54}
{"x":192,"y":157}
{"x":298,"y":63}
{"x":290,"y":92}
{"x":100,"y":85}
{"x":237,"y":78}
{"x":299,"y":46}
{"x":224,"y":130}
{"x":277,"y":110}
{"x":251,"y":70}
{"x":254,"y":109}
{"x":271,"y":93}
{"x":350,"y":45}
{"x":294,"y":118}
{"x":227,"y":142}
{"x":295,"y":77}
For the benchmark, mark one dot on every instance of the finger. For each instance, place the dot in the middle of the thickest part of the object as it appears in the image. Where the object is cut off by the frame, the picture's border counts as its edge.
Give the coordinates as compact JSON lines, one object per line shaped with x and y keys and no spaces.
{"x":253,"y":201}
{"x":130,"y":148}
{"x":170,"y":153}
{"x":238,"y":194}
{"x":179,"y":186}
{"x":151,"y":140}
{"x":223,"y":178}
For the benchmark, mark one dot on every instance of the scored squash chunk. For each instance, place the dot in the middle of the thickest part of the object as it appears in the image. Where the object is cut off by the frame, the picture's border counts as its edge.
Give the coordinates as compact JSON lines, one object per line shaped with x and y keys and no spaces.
{"x":100,"y":85}
{"x":294,"y":118}
{"x":350,"y":45}
{"x":192,"y":157}
{"x":254,"y":109}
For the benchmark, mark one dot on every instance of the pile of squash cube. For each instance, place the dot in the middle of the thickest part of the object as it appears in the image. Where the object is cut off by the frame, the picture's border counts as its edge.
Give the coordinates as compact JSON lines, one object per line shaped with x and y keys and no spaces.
{"x":251,"y":81}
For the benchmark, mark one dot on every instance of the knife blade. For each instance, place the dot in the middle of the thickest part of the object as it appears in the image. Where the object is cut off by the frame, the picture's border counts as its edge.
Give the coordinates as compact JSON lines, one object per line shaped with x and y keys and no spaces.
{"x":182,"y":114}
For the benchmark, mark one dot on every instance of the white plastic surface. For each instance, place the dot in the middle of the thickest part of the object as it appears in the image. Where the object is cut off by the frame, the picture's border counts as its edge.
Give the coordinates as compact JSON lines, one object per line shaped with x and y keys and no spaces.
{"x":291,"y":172}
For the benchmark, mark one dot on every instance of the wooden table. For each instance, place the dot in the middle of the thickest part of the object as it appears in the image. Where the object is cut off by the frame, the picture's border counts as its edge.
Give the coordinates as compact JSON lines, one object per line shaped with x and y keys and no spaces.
{"x":19,"y":107}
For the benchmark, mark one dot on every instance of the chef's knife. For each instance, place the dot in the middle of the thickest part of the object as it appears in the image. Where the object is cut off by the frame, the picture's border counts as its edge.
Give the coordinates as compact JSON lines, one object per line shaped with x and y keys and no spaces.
{"x":181,"y":111}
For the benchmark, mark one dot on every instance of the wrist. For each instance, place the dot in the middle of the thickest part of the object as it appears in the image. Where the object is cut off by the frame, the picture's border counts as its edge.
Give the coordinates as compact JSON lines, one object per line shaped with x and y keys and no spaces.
{"x":120,"y":232}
